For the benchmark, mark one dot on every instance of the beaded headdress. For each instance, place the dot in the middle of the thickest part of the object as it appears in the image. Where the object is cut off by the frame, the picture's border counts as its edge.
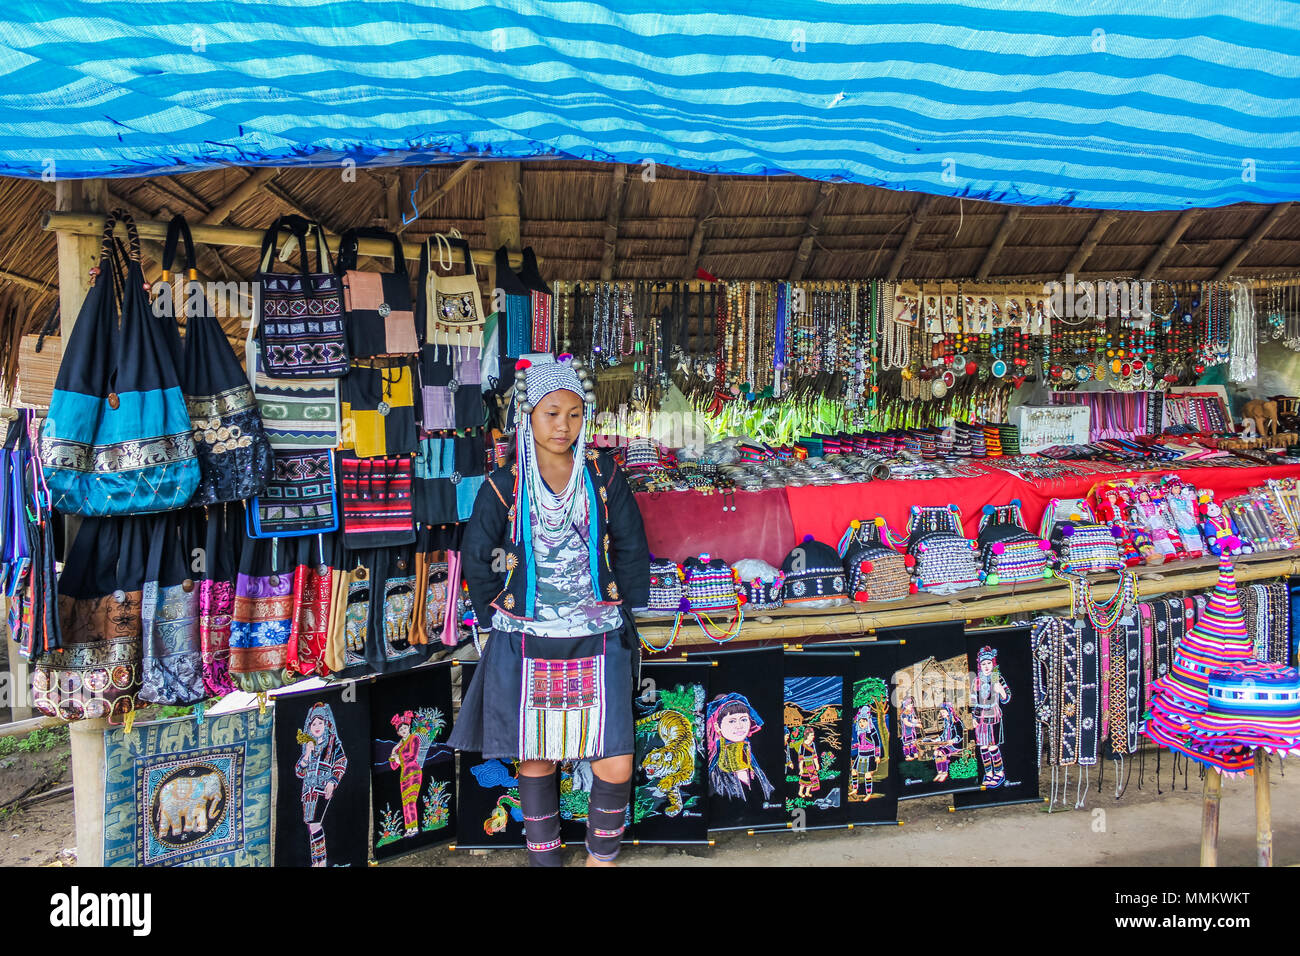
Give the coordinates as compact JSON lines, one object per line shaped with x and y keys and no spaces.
{"x":533,"y":382}
{"x":405,"y":717}
{"x":987,"y":653}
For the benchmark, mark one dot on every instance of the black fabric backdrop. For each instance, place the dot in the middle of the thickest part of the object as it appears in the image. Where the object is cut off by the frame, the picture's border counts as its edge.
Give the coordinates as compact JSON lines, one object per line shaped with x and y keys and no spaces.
{"x":945,"y":678}
{"x":487,"y":812}
{"x":816,"y":695}
{"x":670,"y":800}
{"x":756,"y":676}
{"x":1018,"y":738}
{"x":347,"y":837}
{"x":426,"y":693}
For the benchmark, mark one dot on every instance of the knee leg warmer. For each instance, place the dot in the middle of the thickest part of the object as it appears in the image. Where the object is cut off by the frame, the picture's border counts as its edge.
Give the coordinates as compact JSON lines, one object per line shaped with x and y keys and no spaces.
{"x":606,"y":816}
{"x":539,"y":798}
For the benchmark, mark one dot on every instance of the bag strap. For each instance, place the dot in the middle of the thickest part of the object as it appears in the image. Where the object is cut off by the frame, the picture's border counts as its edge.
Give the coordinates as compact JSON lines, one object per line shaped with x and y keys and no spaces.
{"x":349,"y":247}
{"x":51,"y":325}
{"x":179,"y":229}
{"x":451,"y":240}
{"x":299,"y":227}
{"x":133,"y":237}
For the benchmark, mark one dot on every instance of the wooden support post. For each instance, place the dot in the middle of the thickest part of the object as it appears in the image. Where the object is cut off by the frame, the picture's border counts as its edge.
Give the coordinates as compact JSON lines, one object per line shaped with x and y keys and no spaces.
{"x":1210,"y":817}
{"x":87,"y":740}
{"x":707,"y":204}
{"x":501,"y":221}
{"x":811,"y":228}
{"x":1263,"y":810}
{"x":613,"y":210}
{"x":1000,"y":240}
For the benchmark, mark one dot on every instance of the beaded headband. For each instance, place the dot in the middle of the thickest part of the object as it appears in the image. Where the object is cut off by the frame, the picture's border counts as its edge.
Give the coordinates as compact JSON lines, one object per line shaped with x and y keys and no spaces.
{"x":987,"y":654}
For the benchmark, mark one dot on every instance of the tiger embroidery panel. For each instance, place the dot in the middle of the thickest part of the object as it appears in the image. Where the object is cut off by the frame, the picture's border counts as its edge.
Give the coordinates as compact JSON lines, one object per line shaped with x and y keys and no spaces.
{"x":670,"y":801}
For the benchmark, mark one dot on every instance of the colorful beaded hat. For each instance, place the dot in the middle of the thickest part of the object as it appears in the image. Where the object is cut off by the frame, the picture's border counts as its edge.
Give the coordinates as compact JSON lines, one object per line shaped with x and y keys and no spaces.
{"x":1217,"y":642}
{"x":760,"y":583}
{"x":813,"y":572}
{"x":1252,"y":705}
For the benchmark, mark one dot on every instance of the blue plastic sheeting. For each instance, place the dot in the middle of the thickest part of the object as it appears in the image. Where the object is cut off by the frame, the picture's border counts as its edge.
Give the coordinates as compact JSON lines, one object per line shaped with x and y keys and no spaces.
{"x":1124,"y":105}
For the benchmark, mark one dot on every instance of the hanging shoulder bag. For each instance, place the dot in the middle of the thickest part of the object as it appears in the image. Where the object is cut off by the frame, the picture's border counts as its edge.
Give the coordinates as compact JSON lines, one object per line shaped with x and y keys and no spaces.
{"x":379,"y":316}
{"x":118,"y":437}
{"x":300,"y":326}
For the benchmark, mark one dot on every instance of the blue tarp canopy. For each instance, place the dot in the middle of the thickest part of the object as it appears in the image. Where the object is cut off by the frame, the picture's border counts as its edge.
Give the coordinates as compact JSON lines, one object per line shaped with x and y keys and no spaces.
{"x":1124,"y":105}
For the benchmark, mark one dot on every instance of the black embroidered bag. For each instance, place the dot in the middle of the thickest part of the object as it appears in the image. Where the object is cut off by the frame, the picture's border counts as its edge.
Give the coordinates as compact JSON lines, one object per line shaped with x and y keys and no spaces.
{"x":300,"y":326}
{"x":235,"y":459}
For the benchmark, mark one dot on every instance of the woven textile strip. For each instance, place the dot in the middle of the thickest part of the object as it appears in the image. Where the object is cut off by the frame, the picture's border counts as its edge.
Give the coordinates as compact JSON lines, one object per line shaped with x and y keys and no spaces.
{"x":563,"y":708}
{"x":377,"y":509}
{"x":541,"y":322}
{"x":1067,"y":691}
{"x":303,"y":413}
{"x":1264,"y":607}
{"x":1124,"y":693}
{"x":300,"y":498}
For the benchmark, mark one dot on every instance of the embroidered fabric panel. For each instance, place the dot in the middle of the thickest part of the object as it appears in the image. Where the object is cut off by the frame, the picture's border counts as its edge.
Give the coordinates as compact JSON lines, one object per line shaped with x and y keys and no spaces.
{"x":97,"y":671}
{"x":297,"y":414}
{"x":181,"y":793}
{"x":379,"y":411}
{"x":377,"y":502}
{"x":234,"y":454}
{"x":172,"y":671}
{"x":309,"y":625}
{"x":301,"y":327}
{"x":380,"y":320}
{"x":562,"y":715}
{"x":299,"y":498}
{"x":216,"y":605}
{"x":259,"y":630}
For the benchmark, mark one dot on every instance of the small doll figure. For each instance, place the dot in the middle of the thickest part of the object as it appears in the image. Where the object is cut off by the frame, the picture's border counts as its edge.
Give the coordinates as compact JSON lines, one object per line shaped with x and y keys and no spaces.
{"x":1163,"y":537}
{"x":1220,"y":531}
{"x":1141,"y":538}
{"x":1181,"y":502}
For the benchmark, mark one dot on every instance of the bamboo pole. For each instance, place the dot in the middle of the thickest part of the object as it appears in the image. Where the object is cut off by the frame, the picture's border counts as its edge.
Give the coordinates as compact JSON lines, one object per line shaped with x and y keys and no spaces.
{"x":852,"y":621}
{"x":90,"y":225}
{"x":1263,"y":810}
{"x":1210,"y":817}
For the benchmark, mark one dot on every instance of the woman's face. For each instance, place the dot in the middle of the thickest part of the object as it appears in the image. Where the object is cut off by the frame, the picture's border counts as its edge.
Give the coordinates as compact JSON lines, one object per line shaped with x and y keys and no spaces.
{"x":317,"y":728}
{"x":557,"y":421}
{"x":735,"y":727}
{"x":986,"y":667}
{"x":403,"y":730}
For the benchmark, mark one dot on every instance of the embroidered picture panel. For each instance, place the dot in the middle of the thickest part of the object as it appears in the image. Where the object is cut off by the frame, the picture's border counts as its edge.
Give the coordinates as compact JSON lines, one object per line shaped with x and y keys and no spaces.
{"x":322,"y":742}
{"x":932,"y":708}
{"x":488,"y":812}
{"x":184,"y":793}
{"x":742,"y":739}
{"x":1002,"y":707}
{"x":413,"y":780}
{"x":816,"y":757}
{"x":670,"y":800}
{"x":873,"y":744}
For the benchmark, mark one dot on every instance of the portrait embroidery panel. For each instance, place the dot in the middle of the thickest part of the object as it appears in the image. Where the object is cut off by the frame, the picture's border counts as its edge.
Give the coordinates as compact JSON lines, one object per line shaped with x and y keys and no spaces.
{"x":180,"y":793}
{"x":322,"y":741}
{"x":412,"y":768}
{"x":670,"y":800}
{"x":743,"y":737}
{"x":1002,"y":705}
{"x":932,"y":709}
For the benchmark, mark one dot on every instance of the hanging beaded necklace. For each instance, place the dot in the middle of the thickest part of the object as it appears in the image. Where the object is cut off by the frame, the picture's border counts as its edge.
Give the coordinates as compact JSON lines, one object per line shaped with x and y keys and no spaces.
{"x":1104,"y":615}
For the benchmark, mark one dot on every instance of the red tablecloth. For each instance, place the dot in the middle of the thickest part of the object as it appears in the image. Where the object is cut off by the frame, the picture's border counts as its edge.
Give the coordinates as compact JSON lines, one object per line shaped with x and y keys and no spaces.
{"x":679,"y":524}
{"x":766,"y":524}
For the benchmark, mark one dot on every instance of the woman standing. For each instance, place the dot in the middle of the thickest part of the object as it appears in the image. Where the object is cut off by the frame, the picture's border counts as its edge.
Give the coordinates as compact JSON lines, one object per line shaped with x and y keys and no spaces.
{"x":553,"y":550}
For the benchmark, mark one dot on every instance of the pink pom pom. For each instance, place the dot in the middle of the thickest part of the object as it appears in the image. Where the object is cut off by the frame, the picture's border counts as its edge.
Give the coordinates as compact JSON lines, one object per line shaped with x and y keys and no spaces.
{"x":523,"y":364}
{"x":998,"y":547}
{"x":1044,"y":545}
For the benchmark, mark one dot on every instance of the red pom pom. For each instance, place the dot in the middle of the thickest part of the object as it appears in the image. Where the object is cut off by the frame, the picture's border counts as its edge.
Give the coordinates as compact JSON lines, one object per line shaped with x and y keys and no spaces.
{"x":912,"y":588}
{"x":866,"y":567}
{"x":909,"y":561}
{"x":997,"y":547}
{"x":860,"y":597}
{"x":522,"y":364}
{"x":742,"y":597}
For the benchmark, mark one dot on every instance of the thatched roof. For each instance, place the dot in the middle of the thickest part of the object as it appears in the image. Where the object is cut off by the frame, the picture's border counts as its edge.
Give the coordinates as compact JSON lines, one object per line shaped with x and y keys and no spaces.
{"x":738,"y":227}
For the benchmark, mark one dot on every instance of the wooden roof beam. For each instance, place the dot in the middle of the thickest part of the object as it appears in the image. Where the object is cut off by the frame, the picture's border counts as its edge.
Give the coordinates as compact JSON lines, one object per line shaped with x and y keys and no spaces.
{"x":1158,"y":257}
{"x":918,"y":218}
{"x":703,"y":214}
{"x":1253,"y":240}
{"x":1098,"y":229}
{"x":454,"y":180}
{"x":813,"y":226}
{"x":26,"y":281}
{"x":240,"y":195}
{"x":999,"y":240}
{"x":613,"y":210}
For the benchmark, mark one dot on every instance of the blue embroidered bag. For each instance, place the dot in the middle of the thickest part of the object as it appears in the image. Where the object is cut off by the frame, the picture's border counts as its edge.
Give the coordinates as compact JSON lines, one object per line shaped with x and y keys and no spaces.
{"x":118,"y":437}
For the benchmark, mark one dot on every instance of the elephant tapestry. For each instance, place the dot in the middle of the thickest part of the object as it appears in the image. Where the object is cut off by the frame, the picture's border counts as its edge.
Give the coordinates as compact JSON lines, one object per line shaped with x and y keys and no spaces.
{"x":183,"y":793}
{"x":932,"y":708}
{"x":322,"y":797}
{"x":412,"y":769}
{"x":1002,"y":705}
{"x":670,"y":799}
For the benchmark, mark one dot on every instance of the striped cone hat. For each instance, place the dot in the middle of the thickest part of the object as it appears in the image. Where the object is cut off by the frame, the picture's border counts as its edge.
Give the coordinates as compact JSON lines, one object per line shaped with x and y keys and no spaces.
{"x":1253,"y":705}
{"x":1217,"y":642}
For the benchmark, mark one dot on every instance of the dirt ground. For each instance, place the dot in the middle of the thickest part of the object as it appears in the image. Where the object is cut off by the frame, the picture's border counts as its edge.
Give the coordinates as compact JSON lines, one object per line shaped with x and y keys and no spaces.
{"x":1142,"y":828}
